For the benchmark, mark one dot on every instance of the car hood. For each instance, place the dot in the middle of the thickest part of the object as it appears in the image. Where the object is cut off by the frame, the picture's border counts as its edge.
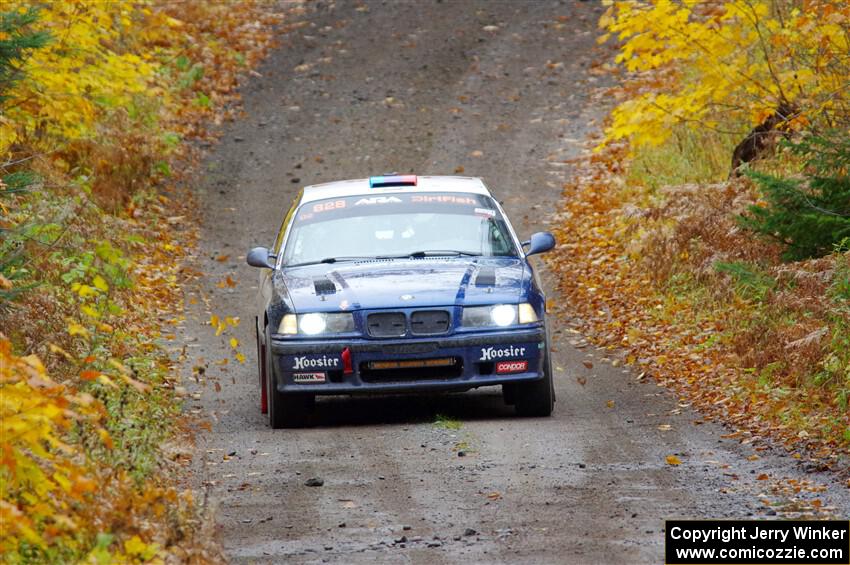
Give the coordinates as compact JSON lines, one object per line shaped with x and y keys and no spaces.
{"x":406,"y":283}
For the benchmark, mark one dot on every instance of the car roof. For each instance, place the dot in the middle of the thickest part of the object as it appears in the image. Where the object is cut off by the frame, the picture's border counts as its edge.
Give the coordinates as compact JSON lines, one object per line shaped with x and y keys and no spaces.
{"x":358,"y":187}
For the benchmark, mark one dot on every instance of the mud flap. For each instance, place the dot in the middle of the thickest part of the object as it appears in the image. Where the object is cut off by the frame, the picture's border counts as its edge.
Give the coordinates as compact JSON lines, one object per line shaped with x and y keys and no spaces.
{"x":261,"y":363}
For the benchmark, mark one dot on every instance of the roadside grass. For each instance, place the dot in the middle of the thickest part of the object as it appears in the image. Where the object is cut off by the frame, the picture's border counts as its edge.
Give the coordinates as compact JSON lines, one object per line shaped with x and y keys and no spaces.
{"x":447,"y":423}
{"x":691,"y":155}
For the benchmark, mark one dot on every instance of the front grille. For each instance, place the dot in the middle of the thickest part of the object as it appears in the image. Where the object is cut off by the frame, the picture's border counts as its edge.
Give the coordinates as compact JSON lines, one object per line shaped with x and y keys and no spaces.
{"x":396,"y":375}
{"x":429,"y":322}
{"x":386,"y":324}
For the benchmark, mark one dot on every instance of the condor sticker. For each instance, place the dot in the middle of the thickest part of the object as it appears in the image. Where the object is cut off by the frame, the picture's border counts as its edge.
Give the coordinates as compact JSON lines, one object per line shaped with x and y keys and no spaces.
{"x":302,"y":378}
{"x":503,"y":367}
{"x":315,"y":362}
{"x":494,"y":353}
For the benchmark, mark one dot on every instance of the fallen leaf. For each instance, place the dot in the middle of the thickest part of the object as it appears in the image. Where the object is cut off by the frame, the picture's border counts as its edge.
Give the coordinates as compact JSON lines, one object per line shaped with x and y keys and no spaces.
{"x":673,"y":460}
{"x":89,"y":375}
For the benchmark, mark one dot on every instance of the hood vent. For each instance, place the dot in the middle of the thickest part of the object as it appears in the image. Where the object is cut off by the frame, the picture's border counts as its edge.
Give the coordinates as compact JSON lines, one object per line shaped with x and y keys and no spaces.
{"x":486,"y":277}
{"x":324,"y":285}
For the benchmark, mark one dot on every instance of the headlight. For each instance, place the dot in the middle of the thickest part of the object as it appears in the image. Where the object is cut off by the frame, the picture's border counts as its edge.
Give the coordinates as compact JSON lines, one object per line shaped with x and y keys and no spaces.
{"x":288,"y":325}
{"x":316,"y":323}
{"x":498,"y":315}
{"x":527,"y":315}
{"x":312,"y":324}
{"x":503,"y":314}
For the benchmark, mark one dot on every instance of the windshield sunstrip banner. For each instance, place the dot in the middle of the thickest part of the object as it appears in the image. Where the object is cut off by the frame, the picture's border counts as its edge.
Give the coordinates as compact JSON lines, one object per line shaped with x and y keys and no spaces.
{"x":374,"y":205}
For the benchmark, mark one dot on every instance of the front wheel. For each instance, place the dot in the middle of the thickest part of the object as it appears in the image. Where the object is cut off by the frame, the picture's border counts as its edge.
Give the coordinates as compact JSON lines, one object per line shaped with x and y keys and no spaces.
{"x":536,"y":399}
{"x":284,"y":410}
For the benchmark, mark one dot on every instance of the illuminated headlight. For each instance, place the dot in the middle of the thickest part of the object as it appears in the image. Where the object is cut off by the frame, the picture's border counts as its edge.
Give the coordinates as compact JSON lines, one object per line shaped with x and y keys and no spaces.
{"x":312,"y":324}
{"x":503,"y":315}
{"x":316,"y":323}
{"x":498,"y":315}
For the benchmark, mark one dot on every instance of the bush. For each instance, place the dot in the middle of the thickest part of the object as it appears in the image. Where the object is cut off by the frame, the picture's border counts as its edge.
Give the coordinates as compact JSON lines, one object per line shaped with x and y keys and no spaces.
{"x":809,"y":216}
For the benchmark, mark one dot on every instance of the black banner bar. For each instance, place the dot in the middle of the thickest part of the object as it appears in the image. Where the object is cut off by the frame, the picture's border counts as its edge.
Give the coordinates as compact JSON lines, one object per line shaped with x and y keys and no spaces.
{"x":757,"y":542}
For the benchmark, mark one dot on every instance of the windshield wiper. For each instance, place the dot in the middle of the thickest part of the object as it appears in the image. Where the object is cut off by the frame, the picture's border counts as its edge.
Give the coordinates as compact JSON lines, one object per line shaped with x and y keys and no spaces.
{"x":334,"y":260}
{"x":414,"y":255}
{"x":432,"y":253}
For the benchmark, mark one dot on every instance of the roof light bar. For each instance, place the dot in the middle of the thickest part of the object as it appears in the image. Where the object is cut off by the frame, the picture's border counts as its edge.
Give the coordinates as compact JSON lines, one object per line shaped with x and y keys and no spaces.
{"x":392,"y":180}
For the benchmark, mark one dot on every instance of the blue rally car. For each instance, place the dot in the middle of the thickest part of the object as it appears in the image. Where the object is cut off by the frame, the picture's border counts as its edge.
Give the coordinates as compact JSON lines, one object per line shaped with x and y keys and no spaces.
{"x":399,"y":284}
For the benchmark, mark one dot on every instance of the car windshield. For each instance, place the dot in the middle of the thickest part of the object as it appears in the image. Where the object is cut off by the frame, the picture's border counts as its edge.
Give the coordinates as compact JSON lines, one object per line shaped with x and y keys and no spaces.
{"x":397,"y":225}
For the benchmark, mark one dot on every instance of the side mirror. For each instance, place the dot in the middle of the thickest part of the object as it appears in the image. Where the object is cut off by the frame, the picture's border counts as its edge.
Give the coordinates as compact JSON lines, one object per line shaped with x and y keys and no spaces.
{"x":261,"y":257}
{"x":540,"y":242}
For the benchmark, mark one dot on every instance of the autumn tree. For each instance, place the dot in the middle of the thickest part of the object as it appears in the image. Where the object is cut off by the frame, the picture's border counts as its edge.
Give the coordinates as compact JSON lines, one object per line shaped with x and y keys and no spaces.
{"x":730,"y":66}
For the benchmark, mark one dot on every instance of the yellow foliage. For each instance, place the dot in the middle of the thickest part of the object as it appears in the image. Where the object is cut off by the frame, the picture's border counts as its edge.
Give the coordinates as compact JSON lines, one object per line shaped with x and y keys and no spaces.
{"x":734,"y":61}
{"x":83,"y":72}
{"x":41,"y":476}
{"x":99,"y":113}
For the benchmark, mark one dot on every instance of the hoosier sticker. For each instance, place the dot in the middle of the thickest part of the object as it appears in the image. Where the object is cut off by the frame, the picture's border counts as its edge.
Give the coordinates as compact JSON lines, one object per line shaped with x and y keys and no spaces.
{"x":493,"y":353}
{"x":322,"y":362}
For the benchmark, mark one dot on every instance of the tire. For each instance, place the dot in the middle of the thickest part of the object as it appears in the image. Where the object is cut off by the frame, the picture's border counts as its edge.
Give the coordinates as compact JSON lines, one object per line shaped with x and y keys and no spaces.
{"x":285,"y":410}
{"x":537,"y":398}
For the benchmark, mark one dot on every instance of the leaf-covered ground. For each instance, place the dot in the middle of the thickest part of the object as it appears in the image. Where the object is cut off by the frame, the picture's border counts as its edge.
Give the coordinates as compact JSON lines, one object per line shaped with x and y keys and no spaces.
{"x":667,"y":277}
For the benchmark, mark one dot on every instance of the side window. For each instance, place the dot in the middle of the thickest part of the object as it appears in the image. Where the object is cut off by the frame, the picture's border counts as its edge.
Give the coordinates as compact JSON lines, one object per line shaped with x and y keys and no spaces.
{"x":497,"y":242}
{"x":286,"y":221}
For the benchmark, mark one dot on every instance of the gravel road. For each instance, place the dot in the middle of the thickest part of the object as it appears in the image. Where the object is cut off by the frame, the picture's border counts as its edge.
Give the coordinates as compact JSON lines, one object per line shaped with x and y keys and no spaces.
{"x":499,"y":90}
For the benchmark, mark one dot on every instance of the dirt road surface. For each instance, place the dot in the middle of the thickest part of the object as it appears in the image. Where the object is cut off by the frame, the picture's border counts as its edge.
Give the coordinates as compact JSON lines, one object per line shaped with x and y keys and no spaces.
{"x":499,"y":90}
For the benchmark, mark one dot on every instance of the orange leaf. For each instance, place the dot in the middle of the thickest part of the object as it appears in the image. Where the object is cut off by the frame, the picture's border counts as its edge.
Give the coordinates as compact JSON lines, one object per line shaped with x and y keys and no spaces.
{"x":89,"y":375}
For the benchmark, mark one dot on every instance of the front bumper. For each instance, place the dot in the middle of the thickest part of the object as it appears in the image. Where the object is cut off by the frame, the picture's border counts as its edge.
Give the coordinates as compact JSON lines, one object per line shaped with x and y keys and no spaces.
{"x":479,"y":359}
